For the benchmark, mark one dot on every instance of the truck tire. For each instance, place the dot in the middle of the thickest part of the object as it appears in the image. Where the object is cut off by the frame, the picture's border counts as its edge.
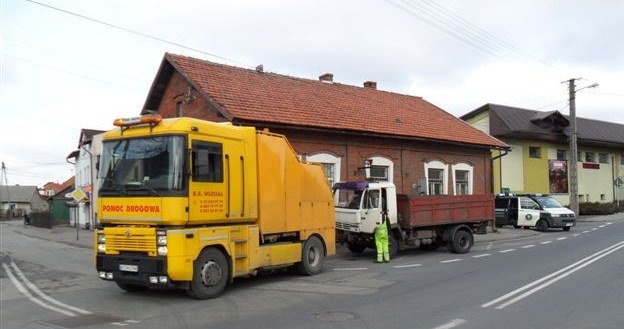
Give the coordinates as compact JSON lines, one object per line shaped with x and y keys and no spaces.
{"x":312,"y":257}
{"x":356,"y":248}
{"x":393,"y":246}
{"x":462,"y":242}
{"x":542,"y":225}
{"x":210,"y":274}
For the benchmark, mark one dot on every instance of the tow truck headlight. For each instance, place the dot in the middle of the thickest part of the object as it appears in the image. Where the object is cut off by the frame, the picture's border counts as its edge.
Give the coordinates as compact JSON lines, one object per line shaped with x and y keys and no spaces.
{"x":101,"y":238}
{"x":162,"y":251}
{"x":161,"y":240}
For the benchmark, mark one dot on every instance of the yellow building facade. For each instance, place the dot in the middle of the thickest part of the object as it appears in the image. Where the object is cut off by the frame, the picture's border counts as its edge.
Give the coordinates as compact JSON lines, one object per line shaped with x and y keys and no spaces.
{"x":538,"y":159}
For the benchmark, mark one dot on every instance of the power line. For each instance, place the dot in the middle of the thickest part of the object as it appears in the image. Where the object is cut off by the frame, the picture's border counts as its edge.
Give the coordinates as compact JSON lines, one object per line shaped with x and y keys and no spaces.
{"x":141,"y":34}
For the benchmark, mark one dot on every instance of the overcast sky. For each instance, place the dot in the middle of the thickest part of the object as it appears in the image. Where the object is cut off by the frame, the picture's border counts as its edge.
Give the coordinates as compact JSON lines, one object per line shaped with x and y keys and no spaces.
{"x":76,"y":65}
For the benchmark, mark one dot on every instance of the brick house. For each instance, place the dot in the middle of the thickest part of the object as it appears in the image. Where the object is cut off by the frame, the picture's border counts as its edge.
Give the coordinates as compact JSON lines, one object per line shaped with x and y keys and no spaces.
{"x":399,"y":138}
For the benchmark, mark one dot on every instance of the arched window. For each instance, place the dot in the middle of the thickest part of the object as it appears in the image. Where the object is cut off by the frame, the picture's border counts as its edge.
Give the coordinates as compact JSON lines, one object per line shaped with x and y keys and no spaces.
{"x":436,"y":173}
{"x":381,"y":169}
{"x":462,"y":178}
{"x":331,"y":166}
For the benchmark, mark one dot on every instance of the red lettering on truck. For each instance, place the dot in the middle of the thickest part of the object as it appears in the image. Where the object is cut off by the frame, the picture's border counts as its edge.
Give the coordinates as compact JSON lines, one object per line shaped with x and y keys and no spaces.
{"x":113,"y":208}
{"x":142,"y":208}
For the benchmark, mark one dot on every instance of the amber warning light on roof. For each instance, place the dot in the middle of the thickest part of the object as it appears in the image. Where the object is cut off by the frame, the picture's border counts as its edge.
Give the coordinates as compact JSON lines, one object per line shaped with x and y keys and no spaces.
{"x":151,"y":119}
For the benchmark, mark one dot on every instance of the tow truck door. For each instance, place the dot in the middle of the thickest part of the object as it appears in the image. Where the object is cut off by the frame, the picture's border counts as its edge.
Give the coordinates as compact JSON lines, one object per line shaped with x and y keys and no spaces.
{"x":528,"y":212}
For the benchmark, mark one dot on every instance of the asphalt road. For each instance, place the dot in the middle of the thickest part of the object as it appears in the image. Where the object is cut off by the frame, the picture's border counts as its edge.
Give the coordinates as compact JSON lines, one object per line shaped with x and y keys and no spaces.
{"x":555,"y":279}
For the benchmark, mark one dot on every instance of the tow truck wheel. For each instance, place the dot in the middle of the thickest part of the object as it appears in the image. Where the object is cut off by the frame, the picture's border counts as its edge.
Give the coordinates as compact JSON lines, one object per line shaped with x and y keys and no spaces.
{"x":462,"y":242}
{"x":210,"y":275}
{"x":312,"y":257}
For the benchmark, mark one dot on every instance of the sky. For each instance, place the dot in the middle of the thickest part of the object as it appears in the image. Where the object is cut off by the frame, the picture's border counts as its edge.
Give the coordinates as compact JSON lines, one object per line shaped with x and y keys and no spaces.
{"x":66,"y":65}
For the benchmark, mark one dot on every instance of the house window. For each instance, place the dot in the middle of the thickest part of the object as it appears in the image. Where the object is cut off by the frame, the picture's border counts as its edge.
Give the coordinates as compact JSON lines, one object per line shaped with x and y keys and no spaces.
{"x":535,"y":152}
{"x":180,"y":108}
{"x":436,"y":174}
{"x":436,"y":181}
{"x":462,"y":178}
{"x":330,"y":164}
{"x":589,"y":157}
{"x":381,"y":169}
{"x":562,"y":155}
{"x":207,"y":162}
{"x":603,"y":197}
{"x":603,"y":158}
{"x":579,"y":156}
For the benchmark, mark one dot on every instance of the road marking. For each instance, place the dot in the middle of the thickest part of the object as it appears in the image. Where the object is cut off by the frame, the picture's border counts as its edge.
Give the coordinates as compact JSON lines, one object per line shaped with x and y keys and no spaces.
{"x":608,"y":223}
{"x":507,"y":250}
{"x":452,"y":324}
{"x":528,"y":246}
{"x":601,"y":226}
{"x":32,"y":298}
{"x":489,"y":246}
{"x":43,"y":295}
{"x":352,"y":269}
{"x":482,"y":255}
{"x":586,"y":231}
{"x":562,"y":238}
{"x":450,"y":260}
{"x":558,"y":275}
{"x":595,"y":228}
{"x":546,"y":242}
{"x":406,"y":266}
{"x":577,"y":234}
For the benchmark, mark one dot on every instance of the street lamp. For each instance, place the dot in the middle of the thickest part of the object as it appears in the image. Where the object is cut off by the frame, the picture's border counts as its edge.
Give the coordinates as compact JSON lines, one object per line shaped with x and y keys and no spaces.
{"x":574,"y":204}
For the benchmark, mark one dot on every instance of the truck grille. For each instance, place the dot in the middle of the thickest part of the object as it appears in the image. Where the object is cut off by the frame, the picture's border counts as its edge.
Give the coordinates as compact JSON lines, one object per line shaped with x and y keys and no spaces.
{"x":347,"y":227}
{"x":131,"y":239}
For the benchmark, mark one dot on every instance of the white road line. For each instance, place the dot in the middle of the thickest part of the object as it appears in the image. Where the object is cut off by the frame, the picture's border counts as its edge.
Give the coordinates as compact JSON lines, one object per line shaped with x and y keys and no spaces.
{"x":595,"y":228}
{"x":406,"y":266}
{"x":506,"y":251}
{"x":32,"y":298}
{"x":586,"y":231}
{"x":482,"y":255}
{"x":577,"y":234}
{"x":601,"y":226}
{"x":119,"y":324}
{"x":528,"y":246}
{"x":43,"y":295}
{"x":352,"y":269}
{"x":608,"y":223}
{"x":450,"y":260}
{"x":546,"y":242}
{"x":562,"y":238}
{"x":583,"y":262}
{"x":132,"y":321}
{"x":562,"y":276}
{"x":452,"y":324}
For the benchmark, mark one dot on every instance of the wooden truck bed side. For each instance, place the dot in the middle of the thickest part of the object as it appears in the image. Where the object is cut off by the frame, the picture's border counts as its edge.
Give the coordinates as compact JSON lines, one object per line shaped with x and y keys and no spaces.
{"x":440,"y":210}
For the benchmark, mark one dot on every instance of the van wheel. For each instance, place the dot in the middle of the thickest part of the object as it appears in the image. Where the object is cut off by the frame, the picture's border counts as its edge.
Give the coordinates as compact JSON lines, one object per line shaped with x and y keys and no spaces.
{"x":542,"y":225}
{"x":462,"y":242}
{"x":210,"y":274}
{"x":312,"y":257}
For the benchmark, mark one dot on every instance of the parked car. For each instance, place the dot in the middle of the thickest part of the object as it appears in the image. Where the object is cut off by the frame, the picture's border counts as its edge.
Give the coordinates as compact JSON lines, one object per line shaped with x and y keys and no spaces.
{"x":533,"y":210}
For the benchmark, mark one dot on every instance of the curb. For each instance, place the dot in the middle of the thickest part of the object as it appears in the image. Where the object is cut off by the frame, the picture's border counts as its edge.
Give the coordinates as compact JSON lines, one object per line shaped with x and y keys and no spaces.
{"x":70,"y":243}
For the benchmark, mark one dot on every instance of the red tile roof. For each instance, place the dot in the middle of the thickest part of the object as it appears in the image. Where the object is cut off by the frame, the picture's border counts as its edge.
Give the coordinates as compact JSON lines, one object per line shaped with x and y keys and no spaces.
{"x":274,"y":98}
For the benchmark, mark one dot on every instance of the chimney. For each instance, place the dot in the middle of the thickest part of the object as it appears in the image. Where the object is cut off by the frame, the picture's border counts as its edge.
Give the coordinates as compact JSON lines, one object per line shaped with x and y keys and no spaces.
{"x":327,"y":77}
{"x":260,"y":68}
{"x":370,"y":84}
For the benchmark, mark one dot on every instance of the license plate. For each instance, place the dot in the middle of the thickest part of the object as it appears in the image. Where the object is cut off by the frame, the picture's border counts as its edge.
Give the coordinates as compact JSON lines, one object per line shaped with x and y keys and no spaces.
{"x":129,"y":268}
{"x":569,"y":224}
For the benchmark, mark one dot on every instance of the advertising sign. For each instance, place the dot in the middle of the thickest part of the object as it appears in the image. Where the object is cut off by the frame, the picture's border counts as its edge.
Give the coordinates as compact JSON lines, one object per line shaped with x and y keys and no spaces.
{"x":558,"y":176}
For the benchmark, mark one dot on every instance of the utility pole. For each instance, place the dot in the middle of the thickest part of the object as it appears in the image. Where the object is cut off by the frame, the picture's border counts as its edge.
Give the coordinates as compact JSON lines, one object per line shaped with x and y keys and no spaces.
{"x":574,"y":204}
{"x":573,"y":165}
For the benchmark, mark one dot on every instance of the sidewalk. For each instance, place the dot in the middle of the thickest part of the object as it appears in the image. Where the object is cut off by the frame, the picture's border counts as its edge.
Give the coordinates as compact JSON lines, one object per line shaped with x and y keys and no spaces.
{"x":84,"y":238}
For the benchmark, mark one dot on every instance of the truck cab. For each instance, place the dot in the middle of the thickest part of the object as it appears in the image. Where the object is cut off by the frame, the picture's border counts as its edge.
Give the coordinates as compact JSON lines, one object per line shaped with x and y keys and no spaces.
{"x":532,"y":210}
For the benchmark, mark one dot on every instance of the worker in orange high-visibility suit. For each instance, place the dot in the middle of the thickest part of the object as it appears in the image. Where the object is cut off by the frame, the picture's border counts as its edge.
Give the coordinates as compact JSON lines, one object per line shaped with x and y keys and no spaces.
{"x":381,"y":239}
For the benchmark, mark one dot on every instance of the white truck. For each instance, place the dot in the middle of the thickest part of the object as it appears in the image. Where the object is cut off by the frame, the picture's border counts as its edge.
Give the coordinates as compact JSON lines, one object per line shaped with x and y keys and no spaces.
{"x":425,"y":221}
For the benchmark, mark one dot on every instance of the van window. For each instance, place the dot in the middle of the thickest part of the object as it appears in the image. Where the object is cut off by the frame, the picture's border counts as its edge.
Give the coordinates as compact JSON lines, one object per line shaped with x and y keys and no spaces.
{"x":527,"y":203}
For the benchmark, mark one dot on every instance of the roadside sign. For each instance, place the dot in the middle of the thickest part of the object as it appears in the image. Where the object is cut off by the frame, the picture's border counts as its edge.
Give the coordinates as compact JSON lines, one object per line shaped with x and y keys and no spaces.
{"x":78,"y":195}
{"x":619,"y":182}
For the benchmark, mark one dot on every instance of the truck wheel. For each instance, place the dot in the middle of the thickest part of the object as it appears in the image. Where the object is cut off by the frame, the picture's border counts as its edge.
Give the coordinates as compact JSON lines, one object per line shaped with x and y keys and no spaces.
{"x":210,"y":274}
{"x":130,"y":287}
{"x":312,"y":257}
{"x":393,"y":246}
{"x":357,"y":248}
{"x":542,"y":225}
{"x":462,"y":242}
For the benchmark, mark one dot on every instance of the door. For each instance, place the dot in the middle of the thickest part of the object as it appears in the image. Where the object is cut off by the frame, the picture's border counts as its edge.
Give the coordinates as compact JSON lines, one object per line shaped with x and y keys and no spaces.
{"x":528,"y":213}
{"x":371,"y":210}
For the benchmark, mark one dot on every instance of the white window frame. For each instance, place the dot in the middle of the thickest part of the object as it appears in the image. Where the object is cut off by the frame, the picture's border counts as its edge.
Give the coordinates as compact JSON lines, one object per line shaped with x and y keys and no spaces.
{"x":437,"y":165}
{"x":464,"y":167}
{"x":327,"y":158}
{"x":382,"y":162}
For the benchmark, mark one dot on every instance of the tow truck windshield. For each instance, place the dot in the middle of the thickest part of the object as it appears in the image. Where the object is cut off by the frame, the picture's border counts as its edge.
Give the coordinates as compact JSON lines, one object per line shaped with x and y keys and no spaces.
{"x":152,"y":166}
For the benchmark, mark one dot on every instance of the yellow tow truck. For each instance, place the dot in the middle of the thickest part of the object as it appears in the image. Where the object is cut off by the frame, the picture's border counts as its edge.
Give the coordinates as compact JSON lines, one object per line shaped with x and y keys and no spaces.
{"x":191,"y":204}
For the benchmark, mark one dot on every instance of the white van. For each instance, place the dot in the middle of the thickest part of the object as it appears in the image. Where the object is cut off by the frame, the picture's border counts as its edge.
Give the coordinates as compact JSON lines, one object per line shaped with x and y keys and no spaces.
{"x":533,"y":210}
